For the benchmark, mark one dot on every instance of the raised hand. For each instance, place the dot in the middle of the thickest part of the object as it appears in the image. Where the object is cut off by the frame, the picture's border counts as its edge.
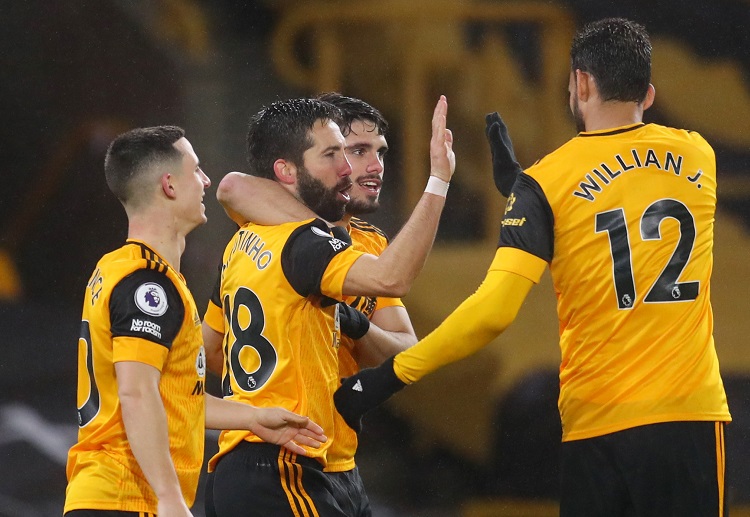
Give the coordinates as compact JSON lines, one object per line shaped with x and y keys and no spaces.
{"x":505,"y":167}
{"x":442,"y":157}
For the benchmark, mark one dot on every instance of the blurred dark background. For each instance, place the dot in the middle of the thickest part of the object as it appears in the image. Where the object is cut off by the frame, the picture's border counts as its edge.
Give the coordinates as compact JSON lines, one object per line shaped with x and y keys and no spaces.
{"x":477,"y":439}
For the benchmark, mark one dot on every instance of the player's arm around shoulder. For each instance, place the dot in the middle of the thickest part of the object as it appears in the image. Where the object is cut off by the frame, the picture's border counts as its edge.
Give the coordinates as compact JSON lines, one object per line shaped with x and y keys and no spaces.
{"x":263,"y":201}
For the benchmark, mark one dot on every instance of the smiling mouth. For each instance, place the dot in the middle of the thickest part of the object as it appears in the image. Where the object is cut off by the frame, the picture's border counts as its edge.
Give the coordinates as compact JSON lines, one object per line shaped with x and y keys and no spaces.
{"x":371,"y":186}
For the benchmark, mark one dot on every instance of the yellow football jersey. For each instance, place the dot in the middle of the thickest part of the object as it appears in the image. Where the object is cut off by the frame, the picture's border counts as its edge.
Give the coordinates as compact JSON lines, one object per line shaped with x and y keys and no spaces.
{"x":136,"y":308}
{"x":369,"y":239}
{"x":625,"y":219}
{"x":274,"y":307}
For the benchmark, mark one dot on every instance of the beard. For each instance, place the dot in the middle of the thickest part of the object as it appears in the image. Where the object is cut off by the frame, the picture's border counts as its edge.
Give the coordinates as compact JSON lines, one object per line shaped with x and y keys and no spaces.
{"x":320,"y":199}
{"x":363,"y":204}
{"x":360,"y":207}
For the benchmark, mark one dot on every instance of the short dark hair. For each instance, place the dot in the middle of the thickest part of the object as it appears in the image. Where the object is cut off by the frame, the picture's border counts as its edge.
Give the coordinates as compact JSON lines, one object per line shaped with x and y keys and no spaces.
{"x":281,"y":130}
{"x":134,"y":152}
{"x":355,"y":109}
{"x":617,"y":53}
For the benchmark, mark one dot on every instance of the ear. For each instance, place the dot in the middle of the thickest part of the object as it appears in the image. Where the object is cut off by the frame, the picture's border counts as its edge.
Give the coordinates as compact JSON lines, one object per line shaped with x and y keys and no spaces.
{"x":650,"y":96}
{"x":585,"y":85}
{"x":166,"y":186}
{"x":286,"y":172}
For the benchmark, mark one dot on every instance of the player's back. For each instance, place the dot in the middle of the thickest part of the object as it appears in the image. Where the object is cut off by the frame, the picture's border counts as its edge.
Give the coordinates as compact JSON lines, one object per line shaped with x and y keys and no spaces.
{"x":633,"y":214}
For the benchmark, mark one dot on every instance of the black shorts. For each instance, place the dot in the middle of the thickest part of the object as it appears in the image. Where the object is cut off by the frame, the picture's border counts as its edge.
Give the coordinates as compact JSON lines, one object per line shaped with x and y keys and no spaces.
{"x":261,"y":479}
{"x":658,"y":470}
{"x":349,"y":491}
{"x":107,"y":513}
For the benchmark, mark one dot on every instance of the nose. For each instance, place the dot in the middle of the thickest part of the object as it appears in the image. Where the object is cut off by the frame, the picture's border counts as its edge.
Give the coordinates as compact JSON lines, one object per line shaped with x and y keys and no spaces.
{"x":346,"y":169}
{"x":376,"y":165}
{"x":206,"y":180}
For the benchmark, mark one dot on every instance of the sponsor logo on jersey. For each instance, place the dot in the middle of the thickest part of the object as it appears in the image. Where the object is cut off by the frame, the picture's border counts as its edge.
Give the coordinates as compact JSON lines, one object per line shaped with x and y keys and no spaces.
{"x":336,"y":244}
{"x":151,"y":299}
{"x":200,"y":362}
{"x":148,"y":327}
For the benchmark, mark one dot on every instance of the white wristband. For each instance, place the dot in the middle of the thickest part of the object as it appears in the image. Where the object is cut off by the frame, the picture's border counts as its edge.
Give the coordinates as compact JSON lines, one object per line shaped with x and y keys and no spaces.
{"x":437,"y":186}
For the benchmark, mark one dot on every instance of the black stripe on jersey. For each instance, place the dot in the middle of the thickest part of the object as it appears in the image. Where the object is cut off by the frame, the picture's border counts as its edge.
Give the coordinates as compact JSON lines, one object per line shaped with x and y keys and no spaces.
{"x":364,"y":226}
{"x":306,"y":256}
{"x":153,"y":260}
{"x":614,"y":131}
{"x":528,"y":223}
{"x":133,"y":295}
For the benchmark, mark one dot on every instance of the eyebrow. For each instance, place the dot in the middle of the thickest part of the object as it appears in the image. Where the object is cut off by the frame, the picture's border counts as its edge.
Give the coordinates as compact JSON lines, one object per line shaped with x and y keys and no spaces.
{"x":331,"y":148}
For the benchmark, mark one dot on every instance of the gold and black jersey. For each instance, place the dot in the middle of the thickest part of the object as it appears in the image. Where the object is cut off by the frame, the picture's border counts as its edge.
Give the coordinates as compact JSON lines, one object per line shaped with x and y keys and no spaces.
{"x":369,"y":239}
{"x":136,"y":308}
{"x":625,"y":218}
{"x":280,"y":329}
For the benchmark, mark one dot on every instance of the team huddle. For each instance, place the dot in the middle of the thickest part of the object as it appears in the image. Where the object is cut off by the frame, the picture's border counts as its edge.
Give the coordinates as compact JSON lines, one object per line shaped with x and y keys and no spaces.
{"x":309,"y":293}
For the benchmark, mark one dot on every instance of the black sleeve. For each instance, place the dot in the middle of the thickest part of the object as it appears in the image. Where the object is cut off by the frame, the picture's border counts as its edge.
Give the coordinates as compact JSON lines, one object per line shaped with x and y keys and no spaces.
{"x":306,"y":255}
{"x":528,"y":223}
{"x":147,"y":305}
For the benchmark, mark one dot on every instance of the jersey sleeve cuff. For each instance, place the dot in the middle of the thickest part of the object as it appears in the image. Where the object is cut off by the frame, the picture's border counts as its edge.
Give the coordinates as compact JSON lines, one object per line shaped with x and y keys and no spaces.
{"x":214,"y":317}
{"x":522,"y":263}
{"x":332,"y":283}
{"x":383,"y":302}
{"x":127,"y":348}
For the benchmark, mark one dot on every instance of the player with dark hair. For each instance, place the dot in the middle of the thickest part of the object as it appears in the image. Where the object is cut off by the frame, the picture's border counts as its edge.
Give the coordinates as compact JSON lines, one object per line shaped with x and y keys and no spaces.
{"x":142,"y":411}
{"x":273,"y":322}
{"x":623,"y":216}
{"x":373,"y":328}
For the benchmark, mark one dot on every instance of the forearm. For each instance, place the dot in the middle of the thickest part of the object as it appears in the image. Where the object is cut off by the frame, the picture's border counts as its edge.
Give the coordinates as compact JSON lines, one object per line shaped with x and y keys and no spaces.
{"x":212,"y":342}
{"x":227,"y":414}
{"x":378,"y":345}
{"x":393,"y":272}
{"x":146,"y":427}
{"x":260,"y":200}
{"x":477,"y":321}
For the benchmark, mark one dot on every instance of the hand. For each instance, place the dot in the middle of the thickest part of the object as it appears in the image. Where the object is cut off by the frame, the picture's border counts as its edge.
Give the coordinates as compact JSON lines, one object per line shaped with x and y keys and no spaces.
{"x":505,"y":167}
{"x":290,"y":430}
{"x":365,"y":390}
{"x":353,"y":323}
{"x":442,"y":157}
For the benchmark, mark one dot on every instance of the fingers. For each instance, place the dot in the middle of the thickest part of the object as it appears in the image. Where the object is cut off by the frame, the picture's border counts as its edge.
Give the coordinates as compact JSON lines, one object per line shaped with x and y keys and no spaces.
{"x":315,"y":443}
{"x":439,"y":116}
{"x":293,"y":447}
{"x":442,"y":158}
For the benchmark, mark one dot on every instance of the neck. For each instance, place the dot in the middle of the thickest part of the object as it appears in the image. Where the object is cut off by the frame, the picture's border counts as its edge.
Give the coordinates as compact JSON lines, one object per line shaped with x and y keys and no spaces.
{"x":344,"y":221}
{"x":160,"y":234}
{"x":612,"y":114}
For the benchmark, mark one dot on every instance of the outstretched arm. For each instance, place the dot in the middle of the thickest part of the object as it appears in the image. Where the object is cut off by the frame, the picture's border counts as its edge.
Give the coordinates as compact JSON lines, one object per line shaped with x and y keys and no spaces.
{"x":263,"y":201}
{"x":477,"y":321}
{"x":272,"y":424}
{"x":390,"y":332}
{"x":392,"y":273}
{"x":505,"y":167}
